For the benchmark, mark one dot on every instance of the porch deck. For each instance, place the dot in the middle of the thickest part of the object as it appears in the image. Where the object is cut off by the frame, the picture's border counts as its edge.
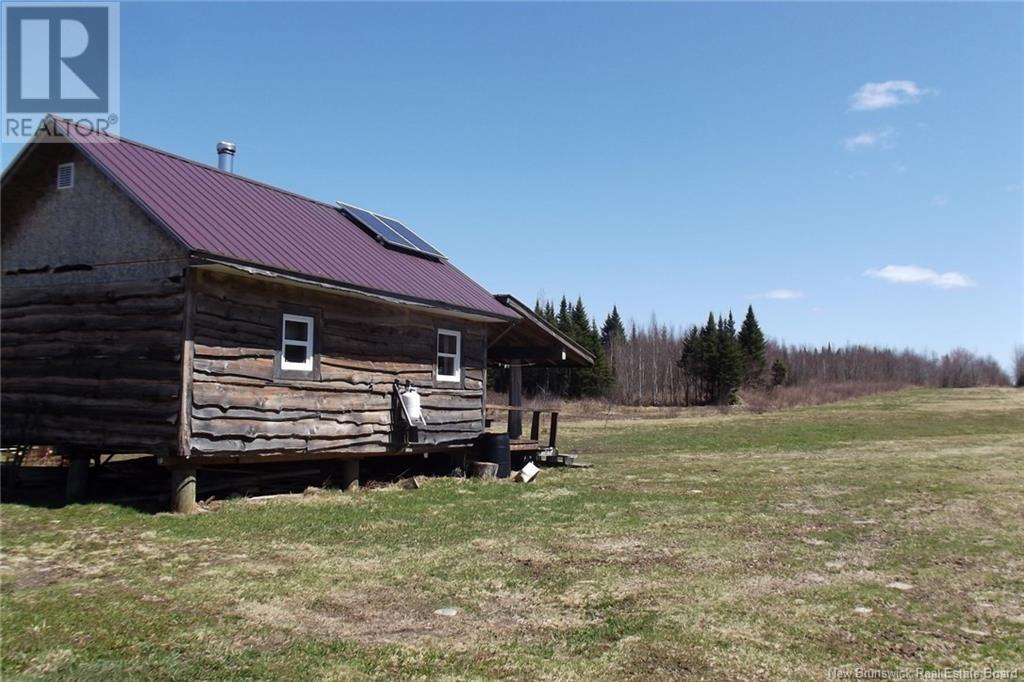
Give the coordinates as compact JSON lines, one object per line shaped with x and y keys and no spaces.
{"x":515,"y":427}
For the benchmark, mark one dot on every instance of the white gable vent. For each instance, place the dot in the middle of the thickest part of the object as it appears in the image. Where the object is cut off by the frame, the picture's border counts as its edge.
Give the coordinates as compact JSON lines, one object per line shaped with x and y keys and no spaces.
{"x":65,"y":176}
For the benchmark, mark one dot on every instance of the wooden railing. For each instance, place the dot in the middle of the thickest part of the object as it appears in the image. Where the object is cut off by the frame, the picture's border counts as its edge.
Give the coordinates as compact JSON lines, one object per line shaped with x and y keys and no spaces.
{"x":534,"y":423}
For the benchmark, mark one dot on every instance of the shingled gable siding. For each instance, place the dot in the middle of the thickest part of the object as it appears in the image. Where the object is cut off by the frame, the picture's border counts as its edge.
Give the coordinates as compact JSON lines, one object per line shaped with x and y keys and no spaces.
{"x":242,"y":404}
{"x":92,"y":302}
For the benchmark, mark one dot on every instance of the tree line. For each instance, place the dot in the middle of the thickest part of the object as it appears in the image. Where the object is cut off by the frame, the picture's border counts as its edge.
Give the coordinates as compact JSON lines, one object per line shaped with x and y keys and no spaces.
{"x":655,"y":364}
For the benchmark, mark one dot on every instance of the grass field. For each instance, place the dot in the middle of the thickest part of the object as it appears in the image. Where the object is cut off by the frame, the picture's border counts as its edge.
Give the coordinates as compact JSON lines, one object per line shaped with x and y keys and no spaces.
{"x":885,"y":532}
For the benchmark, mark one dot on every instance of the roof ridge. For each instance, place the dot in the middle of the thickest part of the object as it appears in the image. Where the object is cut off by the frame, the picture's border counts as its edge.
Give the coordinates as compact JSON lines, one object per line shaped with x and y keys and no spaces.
{"x":202,"y":165}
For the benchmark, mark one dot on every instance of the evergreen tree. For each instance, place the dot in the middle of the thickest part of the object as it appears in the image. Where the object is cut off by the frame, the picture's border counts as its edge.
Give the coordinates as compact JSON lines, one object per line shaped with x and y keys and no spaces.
{"x":730,"y":362}
{"x":752,"y":344}
{"x":709,"y":351}
{"x":587,"y":381}
{"x":612,"y":329}
{"x":591,"y":381}
{"x":564,"y":319}
{"x":779,"y":372}
{"x":713,"y":361}
{"x":691,"y":361}
{"x":580,"y":319}
{"x":549,"y":313}
{"x":573,"y":321}
{"x":613,"y":336}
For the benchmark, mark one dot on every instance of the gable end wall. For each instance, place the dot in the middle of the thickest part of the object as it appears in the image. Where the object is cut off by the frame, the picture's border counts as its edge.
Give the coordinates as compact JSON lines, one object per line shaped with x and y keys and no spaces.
{"x":91,"y":314}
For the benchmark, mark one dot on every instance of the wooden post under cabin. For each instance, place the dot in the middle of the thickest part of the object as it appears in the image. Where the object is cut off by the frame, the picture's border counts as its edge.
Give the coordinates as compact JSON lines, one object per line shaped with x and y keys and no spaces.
{"x":515,"y":399}
{"x":78,"y":480}
{"x":350,"y":475}
{"x":183,"y":490}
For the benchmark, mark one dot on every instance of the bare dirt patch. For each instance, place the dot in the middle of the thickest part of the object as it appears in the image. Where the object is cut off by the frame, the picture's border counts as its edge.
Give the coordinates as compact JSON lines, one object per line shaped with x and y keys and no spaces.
{"x":392,"y":616}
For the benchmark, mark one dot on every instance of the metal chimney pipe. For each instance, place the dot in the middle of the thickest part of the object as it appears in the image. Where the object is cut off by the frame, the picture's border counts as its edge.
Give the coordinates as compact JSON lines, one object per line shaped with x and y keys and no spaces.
{"x":226,"y":156}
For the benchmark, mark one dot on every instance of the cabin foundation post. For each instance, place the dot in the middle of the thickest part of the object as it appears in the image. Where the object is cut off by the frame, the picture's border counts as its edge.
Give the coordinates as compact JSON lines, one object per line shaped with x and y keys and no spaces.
{"x":515,"y":399}
{"x":183,"y":490}
{"x":350,"y":475}
{"x":328,"y":475}
{"x":78,"y":480}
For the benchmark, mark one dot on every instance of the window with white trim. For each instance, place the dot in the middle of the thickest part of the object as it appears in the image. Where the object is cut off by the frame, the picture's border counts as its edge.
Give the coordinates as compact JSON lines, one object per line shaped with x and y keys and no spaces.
{"x":296,"y":342}
{"x":66,"y":176}
{"x":449,"y":355}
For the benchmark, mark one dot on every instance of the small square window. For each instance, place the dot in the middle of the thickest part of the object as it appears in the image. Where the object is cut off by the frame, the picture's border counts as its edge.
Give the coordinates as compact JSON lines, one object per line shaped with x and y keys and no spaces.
{"x":65,"y":176}
{"x":449,"y":355}
{"x":297,"y":343}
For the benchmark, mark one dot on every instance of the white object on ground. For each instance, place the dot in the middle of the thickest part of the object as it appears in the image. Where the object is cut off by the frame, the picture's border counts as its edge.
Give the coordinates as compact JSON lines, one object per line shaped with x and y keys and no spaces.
{"x":527,"y":473}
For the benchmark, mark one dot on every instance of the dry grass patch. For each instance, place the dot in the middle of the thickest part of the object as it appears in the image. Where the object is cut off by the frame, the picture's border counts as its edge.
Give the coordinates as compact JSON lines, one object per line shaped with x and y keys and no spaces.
{"x":709,"y":547}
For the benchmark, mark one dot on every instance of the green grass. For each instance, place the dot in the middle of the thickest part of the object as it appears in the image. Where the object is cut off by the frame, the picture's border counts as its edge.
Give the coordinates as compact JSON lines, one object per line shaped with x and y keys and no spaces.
{"x":713,"y":546}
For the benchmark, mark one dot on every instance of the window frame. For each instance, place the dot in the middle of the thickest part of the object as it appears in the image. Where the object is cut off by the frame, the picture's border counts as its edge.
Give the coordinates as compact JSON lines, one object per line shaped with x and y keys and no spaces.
{"x":61,"y":166}
{"x":456,"y":356}
{"x":310,"y":344}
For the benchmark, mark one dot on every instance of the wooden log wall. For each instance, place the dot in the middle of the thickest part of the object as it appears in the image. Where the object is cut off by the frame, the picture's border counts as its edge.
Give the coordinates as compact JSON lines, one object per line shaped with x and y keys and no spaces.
{"x":240,"y":406}
{"x":93,"y":367}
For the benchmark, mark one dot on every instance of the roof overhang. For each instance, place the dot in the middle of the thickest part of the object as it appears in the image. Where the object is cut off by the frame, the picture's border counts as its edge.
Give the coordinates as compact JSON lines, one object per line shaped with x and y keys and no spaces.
{"x":532,"y":340}
{"x":23,"y":154}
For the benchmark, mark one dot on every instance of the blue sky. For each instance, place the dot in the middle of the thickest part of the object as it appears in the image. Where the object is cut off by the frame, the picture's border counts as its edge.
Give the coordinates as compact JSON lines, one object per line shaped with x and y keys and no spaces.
{"x":668,"y":158}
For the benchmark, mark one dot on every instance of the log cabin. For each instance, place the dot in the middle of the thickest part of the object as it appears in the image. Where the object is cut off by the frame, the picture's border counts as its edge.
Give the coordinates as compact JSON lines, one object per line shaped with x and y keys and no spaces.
{"x":154,"y":304}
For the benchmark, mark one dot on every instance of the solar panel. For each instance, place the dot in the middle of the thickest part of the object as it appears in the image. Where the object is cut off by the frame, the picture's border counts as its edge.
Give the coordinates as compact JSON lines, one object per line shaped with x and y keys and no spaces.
{"x":390,"y":231}
{"x":376,"y":226}
{"x":410,"y":236}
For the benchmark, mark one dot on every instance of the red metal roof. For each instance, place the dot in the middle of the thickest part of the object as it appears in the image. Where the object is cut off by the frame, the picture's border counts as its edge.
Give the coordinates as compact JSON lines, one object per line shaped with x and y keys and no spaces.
{"x":213,"y":212}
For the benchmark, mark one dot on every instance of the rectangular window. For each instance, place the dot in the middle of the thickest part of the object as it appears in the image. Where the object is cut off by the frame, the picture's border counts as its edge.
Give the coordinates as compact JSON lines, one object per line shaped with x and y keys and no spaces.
{"x":297,"y":342}
{"x":449,"y":355}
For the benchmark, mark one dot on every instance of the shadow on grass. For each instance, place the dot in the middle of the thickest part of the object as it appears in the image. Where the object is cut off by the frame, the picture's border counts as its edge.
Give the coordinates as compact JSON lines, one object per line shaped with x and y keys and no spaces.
{"x":139,"y":483}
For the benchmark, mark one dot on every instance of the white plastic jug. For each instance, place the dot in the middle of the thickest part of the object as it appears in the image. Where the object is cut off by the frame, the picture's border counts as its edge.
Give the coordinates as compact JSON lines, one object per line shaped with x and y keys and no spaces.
{"x":411,"y":403}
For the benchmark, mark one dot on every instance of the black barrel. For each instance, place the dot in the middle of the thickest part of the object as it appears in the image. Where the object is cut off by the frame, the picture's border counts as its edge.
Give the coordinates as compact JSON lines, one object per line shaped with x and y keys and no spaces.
{"x":496,"y":447}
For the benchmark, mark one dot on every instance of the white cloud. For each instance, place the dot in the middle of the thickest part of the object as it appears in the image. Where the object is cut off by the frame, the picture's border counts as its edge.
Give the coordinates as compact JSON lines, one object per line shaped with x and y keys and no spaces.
{"x":912,"y":274}
{"x":871,"y":96}
{"x":882,"y":139}
{"x":780,"y":294}
{"x":940,"y":200}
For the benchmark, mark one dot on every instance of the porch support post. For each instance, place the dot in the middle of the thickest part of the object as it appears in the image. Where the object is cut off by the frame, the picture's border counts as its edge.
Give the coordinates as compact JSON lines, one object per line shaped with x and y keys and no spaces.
{"x":350,"y":475}
{"x":515,"y":399}
{"x":78,"y":480}
{"x":183,"y":490}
